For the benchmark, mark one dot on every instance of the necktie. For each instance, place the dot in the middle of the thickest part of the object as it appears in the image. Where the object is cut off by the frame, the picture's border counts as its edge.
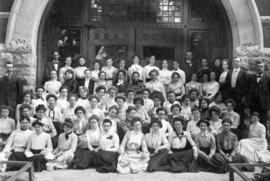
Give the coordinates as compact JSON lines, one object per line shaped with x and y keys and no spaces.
{"x":67,"y":135}
{"x":53,"y":113}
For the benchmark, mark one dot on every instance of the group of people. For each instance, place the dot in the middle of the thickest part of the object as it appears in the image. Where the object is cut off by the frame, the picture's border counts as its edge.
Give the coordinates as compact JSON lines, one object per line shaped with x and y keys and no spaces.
{"x":128,"y":120}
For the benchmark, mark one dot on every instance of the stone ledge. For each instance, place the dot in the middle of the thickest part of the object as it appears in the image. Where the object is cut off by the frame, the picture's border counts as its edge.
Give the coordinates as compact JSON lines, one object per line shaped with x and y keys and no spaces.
{"x":265,"y":19}
{"x":4,"y":15}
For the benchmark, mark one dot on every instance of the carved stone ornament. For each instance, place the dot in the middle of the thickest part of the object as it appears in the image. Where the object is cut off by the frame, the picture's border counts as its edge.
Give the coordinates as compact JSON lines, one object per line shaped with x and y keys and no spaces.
{"x":19,"y":45}
{"x":249,"y":50}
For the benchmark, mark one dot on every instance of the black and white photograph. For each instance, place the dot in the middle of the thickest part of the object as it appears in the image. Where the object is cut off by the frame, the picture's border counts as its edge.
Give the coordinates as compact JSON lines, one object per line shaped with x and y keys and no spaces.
{"x":132,"y":90}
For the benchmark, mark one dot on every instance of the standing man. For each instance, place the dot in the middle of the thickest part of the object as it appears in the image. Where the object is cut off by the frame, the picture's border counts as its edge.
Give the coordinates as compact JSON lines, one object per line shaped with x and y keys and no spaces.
{"x":259,"y":92}
{"x":189,"y":66}
{"x":55,"y":64}
{"x":236,"y":82}
{"x":11,"y":88}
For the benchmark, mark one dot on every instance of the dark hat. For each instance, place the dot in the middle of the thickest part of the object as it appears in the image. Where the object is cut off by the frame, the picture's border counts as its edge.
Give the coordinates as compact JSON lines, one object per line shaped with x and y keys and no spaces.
{"x":37,"y":122}
{"x":68,"y":122}
{"x":203,"y":121}
{"x":156,"y":121}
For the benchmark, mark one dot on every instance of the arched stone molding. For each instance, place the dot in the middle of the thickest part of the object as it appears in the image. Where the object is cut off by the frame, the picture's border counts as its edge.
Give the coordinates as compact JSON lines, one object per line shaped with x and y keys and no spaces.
{"x":25,"y":17}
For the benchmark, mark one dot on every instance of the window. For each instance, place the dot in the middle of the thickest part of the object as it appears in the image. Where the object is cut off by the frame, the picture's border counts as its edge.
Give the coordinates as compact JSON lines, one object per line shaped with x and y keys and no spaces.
{"x":155,"y":11}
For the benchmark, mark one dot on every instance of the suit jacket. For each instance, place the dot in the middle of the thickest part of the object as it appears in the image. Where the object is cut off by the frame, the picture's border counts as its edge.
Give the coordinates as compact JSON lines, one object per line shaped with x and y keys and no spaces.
{"x":241,"y":83}
{"x":90,"y":85}
{"x":259,"y":91}
{"x":189,"y":70}
{"x":49,"y":67}
{"x":11,"y":90}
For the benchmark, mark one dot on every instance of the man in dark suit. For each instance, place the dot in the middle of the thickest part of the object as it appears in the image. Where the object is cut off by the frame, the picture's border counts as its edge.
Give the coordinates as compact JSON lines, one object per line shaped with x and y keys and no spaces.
{"x":259,"y":92}
{"x":11,"y":88}
{"x":236,"y":82}
{"x":88,"y":82}
{"x":55,"y":64}
{"x":188,"y":66}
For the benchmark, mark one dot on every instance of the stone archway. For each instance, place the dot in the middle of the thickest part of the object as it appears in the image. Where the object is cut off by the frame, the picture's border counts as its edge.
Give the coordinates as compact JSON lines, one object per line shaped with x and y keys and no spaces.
{"x":25,"y":21}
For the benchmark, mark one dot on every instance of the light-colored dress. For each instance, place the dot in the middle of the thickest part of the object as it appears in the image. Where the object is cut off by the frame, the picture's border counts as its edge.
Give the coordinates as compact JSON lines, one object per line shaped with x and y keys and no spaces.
{"x":178,"y":88}
{"x":52,"y":87}
{"x":156,"y":86}
{"x":165,"y":77}
{"x":62,"y":103}
{"x":211,"y":89}
{"x":136,"y":68}
{"x":131,"y":158}
{"x":255,"y":147}
{"x":193,"y":85}
{"x":215,"y":126}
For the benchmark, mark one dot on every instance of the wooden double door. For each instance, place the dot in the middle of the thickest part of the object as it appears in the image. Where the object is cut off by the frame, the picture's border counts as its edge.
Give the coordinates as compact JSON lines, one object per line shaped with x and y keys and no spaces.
{"x":124,"y":42}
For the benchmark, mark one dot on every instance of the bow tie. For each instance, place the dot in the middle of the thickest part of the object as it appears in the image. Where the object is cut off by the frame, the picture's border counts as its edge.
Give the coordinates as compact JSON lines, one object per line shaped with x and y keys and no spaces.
{"x":259,"y":76}
{"x":55,"y":62}
{"x":67,"y":135}
{"x":83,"y":98}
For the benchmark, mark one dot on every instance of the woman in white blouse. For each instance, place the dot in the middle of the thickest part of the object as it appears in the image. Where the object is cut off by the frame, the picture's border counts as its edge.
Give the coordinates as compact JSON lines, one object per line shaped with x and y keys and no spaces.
{"x":62,"y":101}
{"x":165,"y":74}
{"x":39,"y":144}
{"x":95,"y":71}
{"x":184,"y":150}
{"x":17,"y":142}
{"x":177,"y":86}
{"x":110,"y":71}
{"x":79,"y":71}
{"x":136,"y":67}
{"x":166,"y":127}
{"x":193,"y":84}
{"x":131,"y":159}
{"x":148,"y":68}
{"x":53,"y":85}
{"x":154,"y":84}
{"x":106,"y":157}
{"x":158,"y":146}
{"x":212,"y":86}
{"x":84,"y":157}
{"x":255,"y":147}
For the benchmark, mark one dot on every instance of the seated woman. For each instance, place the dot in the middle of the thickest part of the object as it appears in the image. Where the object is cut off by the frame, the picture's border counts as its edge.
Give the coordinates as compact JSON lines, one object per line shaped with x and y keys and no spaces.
{"x":107,"y":155}
{"x":141,"y":112}
{"x":254,"y":147}
{"x":26,"y":99}
{"x":227,"y":143}
{"x":121,"y":82}
{"x":131,"y":159}
{"x":48,"y":126}
{"x":39,"y":144}
{"x":84,"y":157}
{"x":215,"y":121}
{"x":52,"y":86}
{"x":184,"y":151}
{"x":17,"y":143}
{"x":177,"y":86}
{"x":206,"y":146}
{"x":166,"y":127}
{"x":7,"y":125}
{"x":67,"y":143}
{"x":193,"y":84}
{"x":154,"y":84}
{"x":158,"y":147}
{"x":212,"y":87}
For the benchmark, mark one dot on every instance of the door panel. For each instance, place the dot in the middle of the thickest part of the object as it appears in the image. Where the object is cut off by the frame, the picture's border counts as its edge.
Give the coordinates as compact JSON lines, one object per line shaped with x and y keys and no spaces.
{"x":123,"y":43}
{"x":161,"y":42}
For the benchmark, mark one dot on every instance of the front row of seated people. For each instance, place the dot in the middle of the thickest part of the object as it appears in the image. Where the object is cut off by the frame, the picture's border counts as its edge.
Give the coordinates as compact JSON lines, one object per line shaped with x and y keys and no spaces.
{"x":101,"y":148}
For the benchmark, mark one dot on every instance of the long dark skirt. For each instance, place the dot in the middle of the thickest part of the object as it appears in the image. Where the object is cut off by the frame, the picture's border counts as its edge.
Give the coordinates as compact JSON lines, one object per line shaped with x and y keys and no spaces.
{"x":182,"y":161}
{"x":158,"y":161}
{"x":218,"y":158}
{"x":38,"y":160}
{"x":4,"y":138}
{"x":83,"y":159}
{"x":16,"y":156}
{"x":106,"y":161}
{"x":209,"y":165}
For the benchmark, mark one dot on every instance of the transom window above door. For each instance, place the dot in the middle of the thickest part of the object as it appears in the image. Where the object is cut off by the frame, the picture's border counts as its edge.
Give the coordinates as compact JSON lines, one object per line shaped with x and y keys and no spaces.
{"x":154,"y":11}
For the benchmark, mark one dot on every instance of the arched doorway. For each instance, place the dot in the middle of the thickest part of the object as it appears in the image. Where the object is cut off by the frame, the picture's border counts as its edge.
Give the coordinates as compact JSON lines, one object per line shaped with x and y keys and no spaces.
{"x":165,"y":28}
{"x":27,"y":20}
